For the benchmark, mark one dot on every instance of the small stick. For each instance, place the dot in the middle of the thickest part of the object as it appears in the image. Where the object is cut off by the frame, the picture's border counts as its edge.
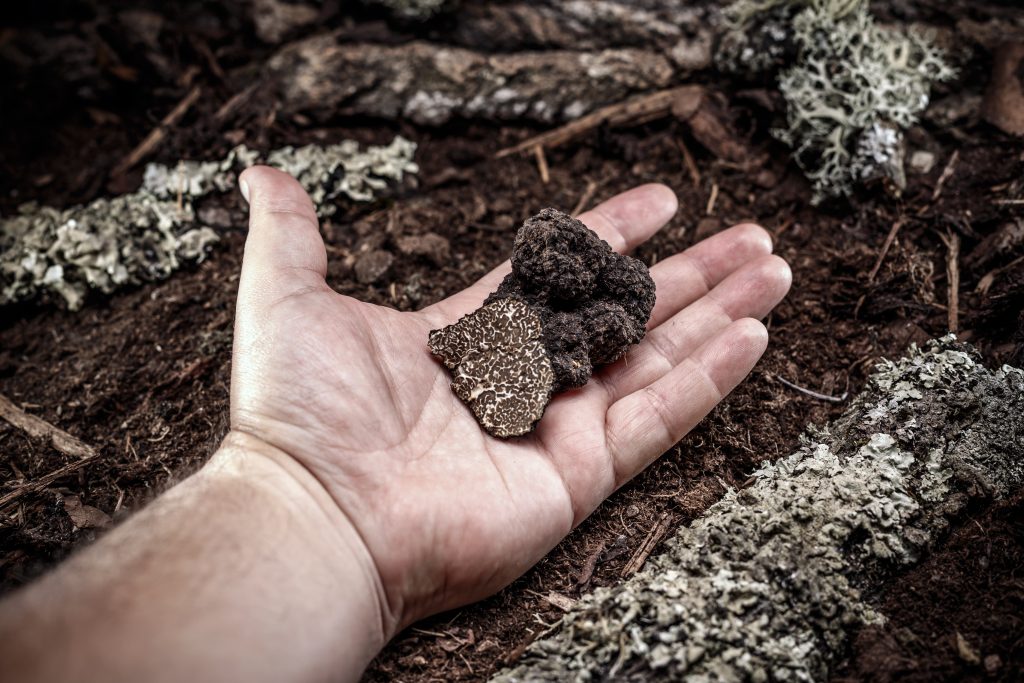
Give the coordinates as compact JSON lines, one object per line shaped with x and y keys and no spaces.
{"x":682,"y":100}
{"x":947,"y":173}
{"x":234,"y":103}
{"x":952,"y":242}
{"x":41,"y":429}
{"x":1011,"y":202}
{"x":985,"y":283}
{"x":654,"y":537}
{"x":712,"y":199}
{"x":542,"y":164}
{"x":157,"y":135}
{"x":465,"y":661}
{"x":211,"y":60}
{"x":691,"y":165}
{"x":889,"y":239}
{"x":585,"y":198}
{"x":43,"y":481}
{"x":811,"y":392}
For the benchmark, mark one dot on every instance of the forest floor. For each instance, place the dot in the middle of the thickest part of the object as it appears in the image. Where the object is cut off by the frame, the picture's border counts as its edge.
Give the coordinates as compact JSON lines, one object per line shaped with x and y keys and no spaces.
{"x":142,"y":376}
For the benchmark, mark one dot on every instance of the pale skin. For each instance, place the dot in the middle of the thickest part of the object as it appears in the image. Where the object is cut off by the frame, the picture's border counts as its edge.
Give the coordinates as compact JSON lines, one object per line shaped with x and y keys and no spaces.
{"x":355,"y":493}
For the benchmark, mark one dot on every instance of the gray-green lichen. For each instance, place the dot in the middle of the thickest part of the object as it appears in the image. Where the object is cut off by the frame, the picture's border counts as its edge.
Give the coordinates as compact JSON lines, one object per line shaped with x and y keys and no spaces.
{"x":768,"y":584}
{"x":148,"y":234}
{"x":326,"y":172}
{"x":851,"y":86}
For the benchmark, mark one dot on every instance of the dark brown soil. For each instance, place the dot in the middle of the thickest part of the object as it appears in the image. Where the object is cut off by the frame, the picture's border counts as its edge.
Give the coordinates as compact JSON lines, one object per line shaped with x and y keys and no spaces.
{"x":959,"y":615}
{"x":143,"y":375}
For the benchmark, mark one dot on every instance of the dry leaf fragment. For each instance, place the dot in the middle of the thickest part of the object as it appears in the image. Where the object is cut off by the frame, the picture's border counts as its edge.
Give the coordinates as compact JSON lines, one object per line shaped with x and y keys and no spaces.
{"x":85,"y":516}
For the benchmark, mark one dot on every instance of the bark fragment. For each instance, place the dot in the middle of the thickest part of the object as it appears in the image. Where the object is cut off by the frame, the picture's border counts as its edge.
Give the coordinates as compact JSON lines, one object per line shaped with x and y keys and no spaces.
{"x":432,"y":84}
{"x":769,"y":583}
{"x":681,"y":29}
{"x":146,"y":235}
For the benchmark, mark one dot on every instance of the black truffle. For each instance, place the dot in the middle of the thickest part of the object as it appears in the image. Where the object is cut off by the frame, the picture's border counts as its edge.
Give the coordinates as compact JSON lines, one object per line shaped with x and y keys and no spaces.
{"x":593,"y":303}
{"x":570,"y":304}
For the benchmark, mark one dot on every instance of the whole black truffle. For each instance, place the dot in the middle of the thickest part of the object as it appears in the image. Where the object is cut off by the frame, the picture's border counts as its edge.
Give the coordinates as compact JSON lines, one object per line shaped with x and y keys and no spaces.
{"x":570,"y":304}
{"x":593,"y":303}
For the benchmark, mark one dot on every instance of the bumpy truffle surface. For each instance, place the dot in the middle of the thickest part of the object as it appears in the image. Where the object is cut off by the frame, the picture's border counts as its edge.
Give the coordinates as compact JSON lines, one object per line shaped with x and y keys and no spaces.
{"x":593,"y":303}
{"x":499,"y":366}
{"x":569,"y":305}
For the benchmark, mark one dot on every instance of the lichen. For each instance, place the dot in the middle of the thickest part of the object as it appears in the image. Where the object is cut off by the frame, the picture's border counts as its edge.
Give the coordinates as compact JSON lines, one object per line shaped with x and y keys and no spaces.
{"x":326,"y":172}
{"x":146,"y":235}
{"x":771,"y":580}
{"x":851,"y":86}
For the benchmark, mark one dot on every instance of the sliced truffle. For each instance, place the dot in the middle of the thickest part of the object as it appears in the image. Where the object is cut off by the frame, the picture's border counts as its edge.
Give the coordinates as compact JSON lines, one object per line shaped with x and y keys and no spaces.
{"x":499,"y":366}
{"x":570,"y":305}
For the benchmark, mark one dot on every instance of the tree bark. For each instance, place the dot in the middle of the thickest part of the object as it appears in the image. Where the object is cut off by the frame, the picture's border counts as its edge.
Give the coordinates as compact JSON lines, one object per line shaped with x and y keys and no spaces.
{"x":431,"y":84}
{"x":680,"y":29}
{"x":770,"y":582}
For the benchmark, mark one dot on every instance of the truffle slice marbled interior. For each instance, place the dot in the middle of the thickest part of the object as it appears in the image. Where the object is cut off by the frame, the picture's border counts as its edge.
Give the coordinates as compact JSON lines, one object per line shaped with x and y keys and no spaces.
{"x":499,"y":366}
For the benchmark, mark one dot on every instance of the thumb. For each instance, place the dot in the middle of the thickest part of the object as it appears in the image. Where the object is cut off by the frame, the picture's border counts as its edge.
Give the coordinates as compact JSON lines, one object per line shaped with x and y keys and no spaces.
{"x":284,"y":253}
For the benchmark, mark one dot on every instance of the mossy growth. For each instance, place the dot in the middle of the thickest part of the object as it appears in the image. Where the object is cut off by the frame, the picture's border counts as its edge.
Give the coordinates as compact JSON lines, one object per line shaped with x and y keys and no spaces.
{"x":851,"y":85}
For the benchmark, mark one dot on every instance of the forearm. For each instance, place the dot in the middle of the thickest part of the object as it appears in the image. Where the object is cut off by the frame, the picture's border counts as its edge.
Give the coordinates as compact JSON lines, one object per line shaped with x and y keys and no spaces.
{"x":241,"y":572}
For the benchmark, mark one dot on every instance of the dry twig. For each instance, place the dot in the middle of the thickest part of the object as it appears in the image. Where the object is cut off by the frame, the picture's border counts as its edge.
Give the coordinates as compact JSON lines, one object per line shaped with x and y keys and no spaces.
{"x":986,"y":281}
{"x":542,"y":164}
{"x":42,"y":482}
{"x":41,"y":429}
{"x":58,"y":438}
{"x":157,"y":135}
{"x":952,"y":242}
{"x":811,"y":392}
{"x":947,"y":173}
{"x":712,"y":199}
{"x":585,"y":198}
{"x":681,"y":102}
{"x":889,"y":239}
{"x":691,"y":165}
{"x":234,"y":103}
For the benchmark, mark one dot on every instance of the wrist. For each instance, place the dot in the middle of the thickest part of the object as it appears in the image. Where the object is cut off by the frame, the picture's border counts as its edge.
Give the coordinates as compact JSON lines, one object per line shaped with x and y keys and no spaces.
{"x":346,"y":591}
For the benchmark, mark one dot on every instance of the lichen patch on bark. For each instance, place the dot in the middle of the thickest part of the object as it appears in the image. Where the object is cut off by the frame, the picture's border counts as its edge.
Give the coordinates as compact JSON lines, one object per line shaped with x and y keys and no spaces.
{"x":769,"y":583}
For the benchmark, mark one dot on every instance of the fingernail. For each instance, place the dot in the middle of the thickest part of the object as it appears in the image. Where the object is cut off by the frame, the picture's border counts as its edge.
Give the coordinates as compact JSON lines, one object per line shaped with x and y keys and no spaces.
{"x":244,"y":188}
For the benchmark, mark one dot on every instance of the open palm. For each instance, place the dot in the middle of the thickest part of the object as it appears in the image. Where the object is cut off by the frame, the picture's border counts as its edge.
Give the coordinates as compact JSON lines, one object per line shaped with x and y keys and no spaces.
{"x":447,"y":513}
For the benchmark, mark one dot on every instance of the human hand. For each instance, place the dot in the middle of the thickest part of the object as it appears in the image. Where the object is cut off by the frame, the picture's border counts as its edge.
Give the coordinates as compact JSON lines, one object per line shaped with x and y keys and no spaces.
{"x":346,"y":396}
